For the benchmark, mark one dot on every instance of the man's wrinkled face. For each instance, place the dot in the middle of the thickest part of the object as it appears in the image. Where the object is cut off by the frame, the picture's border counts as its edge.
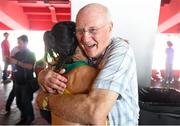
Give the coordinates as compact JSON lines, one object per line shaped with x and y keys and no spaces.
{"x":93,"y":33}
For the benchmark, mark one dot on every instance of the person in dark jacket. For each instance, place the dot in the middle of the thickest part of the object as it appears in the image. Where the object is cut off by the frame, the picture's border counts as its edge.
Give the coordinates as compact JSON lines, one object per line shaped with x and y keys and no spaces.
{"x":12,"y":93}
{"x":24,"y":61}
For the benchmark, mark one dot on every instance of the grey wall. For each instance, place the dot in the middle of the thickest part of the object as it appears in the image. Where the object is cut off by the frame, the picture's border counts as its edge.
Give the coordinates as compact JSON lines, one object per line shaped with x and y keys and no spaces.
{"x":136,"y":21}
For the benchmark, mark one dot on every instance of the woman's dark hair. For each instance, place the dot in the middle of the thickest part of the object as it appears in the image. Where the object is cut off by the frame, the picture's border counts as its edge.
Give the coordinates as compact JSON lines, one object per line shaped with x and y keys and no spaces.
{"x":60,"y":42}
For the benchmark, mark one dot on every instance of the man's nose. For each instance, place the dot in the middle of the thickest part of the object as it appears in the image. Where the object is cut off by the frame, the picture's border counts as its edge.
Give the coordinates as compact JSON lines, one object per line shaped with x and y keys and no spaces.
{"x":86,"y":36}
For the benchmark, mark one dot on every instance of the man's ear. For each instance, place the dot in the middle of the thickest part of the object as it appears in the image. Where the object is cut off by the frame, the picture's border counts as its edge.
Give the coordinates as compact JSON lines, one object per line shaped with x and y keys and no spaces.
{"x":110,"y":26}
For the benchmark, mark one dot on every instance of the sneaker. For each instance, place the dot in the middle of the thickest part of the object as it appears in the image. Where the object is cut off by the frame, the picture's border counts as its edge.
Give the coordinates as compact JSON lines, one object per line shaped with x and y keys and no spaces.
{"x":29,"y":122}
{"x":4,"y":112}
{"x":6,"y":81}
{"x":21,"y":122}
{"x":25,"y":122}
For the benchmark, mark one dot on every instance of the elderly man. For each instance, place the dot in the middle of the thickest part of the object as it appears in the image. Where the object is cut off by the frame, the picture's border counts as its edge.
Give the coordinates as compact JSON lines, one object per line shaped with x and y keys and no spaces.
{"x":114,"y":93}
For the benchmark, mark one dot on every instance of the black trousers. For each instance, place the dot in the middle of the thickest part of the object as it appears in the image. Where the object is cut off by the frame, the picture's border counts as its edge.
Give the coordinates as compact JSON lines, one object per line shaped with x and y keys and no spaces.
{"x":46,"y":115}
{"x":24,"y":98}
{"x":10,"y":98}
{"x":5,"y":74}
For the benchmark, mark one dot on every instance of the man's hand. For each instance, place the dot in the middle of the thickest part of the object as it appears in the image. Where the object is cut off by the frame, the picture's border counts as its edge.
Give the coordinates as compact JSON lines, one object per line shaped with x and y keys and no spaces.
{"x":51,"y":81}
{"x":11,"y":60}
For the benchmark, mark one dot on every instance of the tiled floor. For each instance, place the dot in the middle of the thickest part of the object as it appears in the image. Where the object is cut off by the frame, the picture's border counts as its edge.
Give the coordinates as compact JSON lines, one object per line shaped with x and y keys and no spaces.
{"x":13,"y":117}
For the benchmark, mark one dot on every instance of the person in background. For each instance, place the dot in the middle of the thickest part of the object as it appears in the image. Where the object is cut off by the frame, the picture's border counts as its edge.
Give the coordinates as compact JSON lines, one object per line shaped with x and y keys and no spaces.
{"x":5,"y":46}
{"x":169,"y":62}
{"x":114,"y":94}
{"x":24,"y":61}
{"x":12,"y":93}
{"x":0,"y":73}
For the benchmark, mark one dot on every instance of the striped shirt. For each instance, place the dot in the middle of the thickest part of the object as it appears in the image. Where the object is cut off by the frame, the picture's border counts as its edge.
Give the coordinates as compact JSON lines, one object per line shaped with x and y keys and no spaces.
{"x":118,"y":74}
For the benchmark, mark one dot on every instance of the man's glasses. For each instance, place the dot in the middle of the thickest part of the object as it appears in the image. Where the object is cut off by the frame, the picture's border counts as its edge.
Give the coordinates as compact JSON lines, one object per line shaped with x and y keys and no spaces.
{"x":91,"y":30}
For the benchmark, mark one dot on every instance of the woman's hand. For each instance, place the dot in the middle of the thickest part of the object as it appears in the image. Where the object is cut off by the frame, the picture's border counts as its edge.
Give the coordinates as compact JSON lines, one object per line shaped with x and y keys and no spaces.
{"x":51,"y":81}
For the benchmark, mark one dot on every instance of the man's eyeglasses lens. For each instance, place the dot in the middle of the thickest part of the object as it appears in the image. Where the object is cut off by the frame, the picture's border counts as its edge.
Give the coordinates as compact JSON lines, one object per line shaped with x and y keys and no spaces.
{"x":91,"y":31}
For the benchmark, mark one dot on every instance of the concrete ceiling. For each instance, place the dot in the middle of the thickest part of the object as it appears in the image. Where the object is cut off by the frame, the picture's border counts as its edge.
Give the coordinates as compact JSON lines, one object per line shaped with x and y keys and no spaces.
{"x":42,"y":14}
{"x":169,"y":17}
{"x":33,"y":14}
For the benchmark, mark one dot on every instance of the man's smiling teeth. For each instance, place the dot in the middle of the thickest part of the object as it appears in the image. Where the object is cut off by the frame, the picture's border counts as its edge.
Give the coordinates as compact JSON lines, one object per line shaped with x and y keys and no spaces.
{"x":91,"y":45}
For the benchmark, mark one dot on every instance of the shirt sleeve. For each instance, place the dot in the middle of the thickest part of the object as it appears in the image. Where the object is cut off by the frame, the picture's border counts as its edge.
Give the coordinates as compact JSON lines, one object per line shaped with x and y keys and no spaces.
{"x":30,"y":58}
{"x":118,"y":69}
{"x":33,"y":58}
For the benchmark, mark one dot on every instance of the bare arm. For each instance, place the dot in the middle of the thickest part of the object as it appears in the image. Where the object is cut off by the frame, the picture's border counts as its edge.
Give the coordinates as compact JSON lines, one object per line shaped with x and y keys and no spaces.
{"x":91,"y":108}
{"x":25,"y":65}
{"x":19,"y":63}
